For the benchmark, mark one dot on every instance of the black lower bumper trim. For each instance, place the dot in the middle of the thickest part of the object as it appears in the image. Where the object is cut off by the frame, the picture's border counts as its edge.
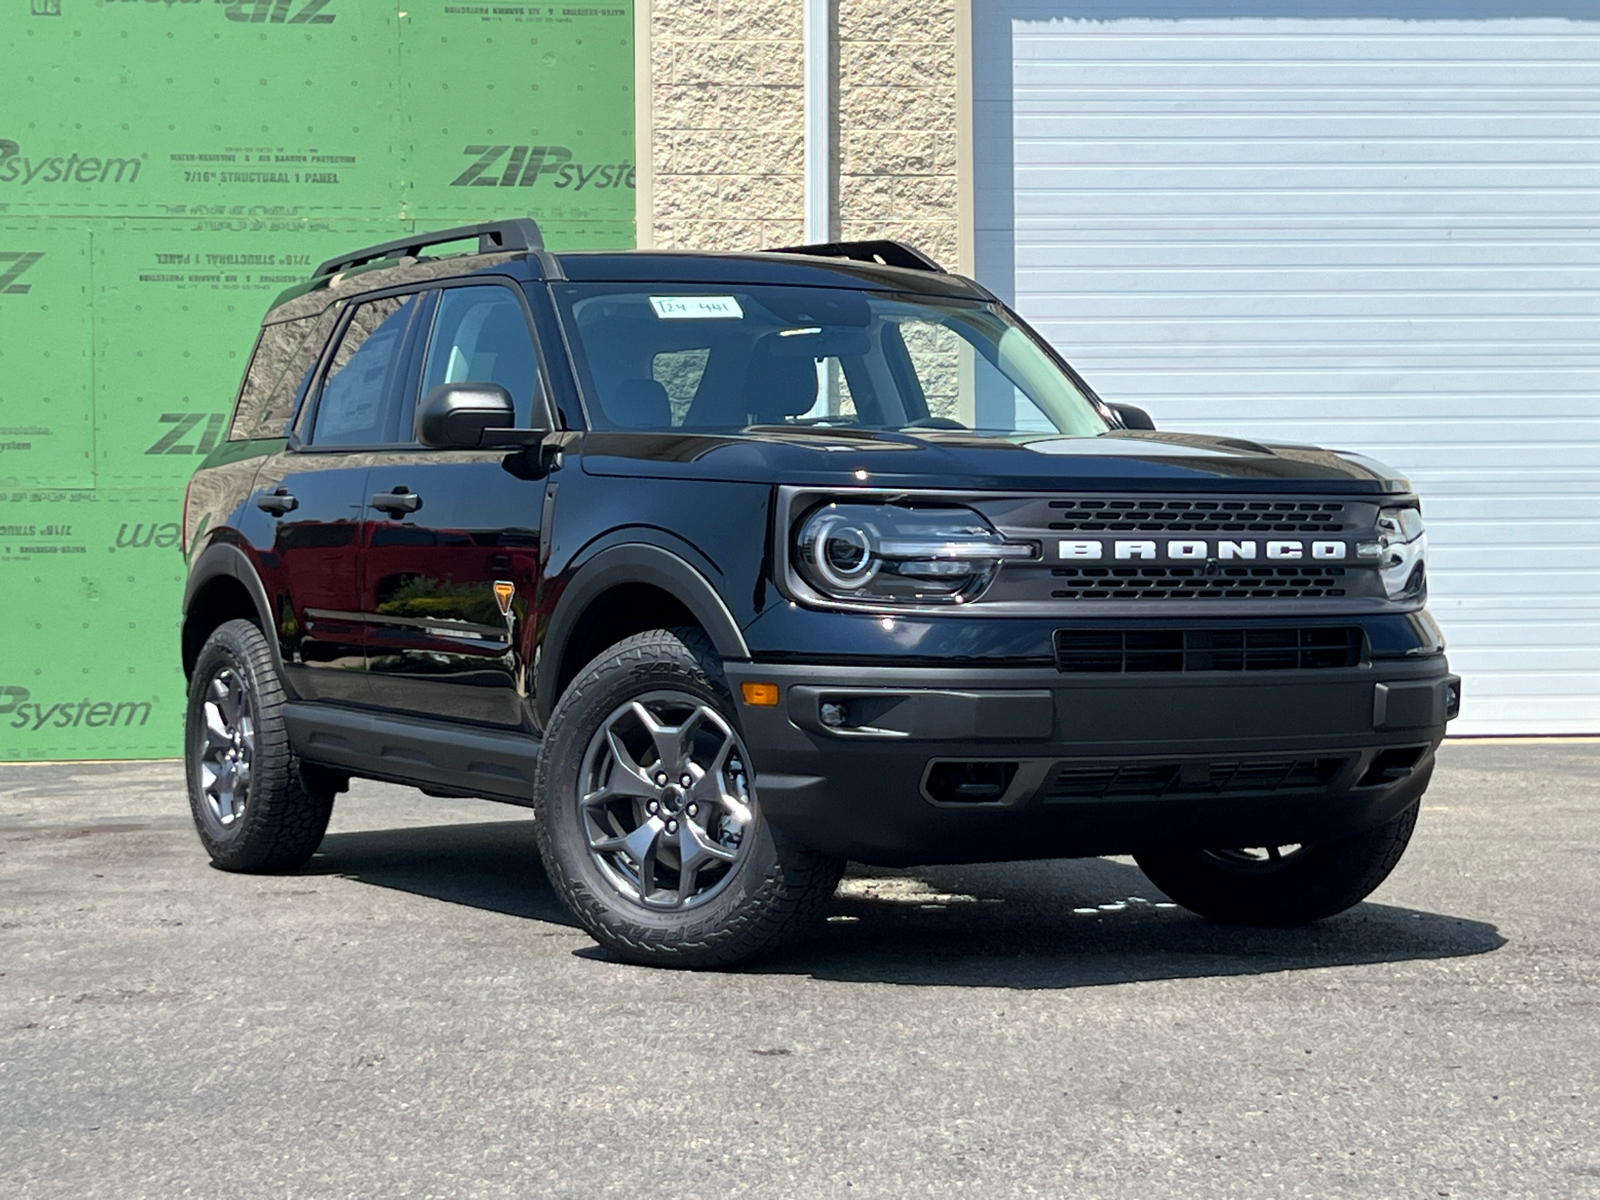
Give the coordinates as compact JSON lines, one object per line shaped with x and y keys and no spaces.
{"x":929,"y":765}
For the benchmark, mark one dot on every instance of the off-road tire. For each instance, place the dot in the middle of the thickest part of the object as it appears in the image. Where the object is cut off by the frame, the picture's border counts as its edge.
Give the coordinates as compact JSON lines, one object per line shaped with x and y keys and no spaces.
{"x":287,"y":804}
{"x":1315,"y":882}
{"x":775,"y":891}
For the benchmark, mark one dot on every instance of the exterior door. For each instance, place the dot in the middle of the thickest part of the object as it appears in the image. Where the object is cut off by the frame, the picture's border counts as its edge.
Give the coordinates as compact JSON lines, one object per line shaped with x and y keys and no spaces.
{"x":1368,"y":232}
{"x":315,"y":495}
{"x":451,"y":558}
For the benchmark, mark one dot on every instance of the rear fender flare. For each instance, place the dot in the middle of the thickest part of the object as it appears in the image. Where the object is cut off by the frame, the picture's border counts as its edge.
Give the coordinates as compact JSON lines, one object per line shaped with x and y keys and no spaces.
{"x":225,"y":560}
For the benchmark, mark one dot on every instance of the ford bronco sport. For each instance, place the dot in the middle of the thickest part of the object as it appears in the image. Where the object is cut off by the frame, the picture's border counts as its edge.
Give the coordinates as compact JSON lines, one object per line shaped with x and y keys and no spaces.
{"x":733,"y":567}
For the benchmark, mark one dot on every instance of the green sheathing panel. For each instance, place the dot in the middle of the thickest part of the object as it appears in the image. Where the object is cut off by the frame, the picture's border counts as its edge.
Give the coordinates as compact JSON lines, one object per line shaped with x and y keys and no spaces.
{"x":46,"y":355}
{"x":92,"y":579}
{"x":543,"y":122}
{"x":166,"y":168}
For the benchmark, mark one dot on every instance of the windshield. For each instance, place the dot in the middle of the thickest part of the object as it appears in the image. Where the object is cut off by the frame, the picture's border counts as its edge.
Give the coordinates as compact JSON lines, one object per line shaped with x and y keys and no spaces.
{"x":670,"y":357}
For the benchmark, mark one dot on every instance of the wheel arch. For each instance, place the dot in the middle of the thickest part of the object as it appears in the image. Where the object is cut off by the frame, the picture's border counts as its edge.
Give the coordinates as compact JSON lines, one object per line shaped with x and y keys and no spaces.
{"x":623,"y":590}
{"x":222,"y":586}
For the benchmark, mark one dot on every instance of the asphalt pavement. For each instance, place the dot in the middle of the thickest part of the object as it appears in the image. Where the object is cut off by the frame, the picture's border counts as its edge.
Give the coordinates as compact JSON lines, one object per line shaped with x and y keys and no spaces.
{"x":414,"y":1015}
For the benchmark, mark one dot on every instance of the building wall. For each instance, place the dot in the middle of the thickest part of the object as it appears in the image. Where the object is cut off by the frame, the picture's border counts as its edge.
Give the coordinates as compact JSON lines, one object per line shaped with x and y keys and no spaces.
{"x":727,"y":113}
{"x":897,"y":117}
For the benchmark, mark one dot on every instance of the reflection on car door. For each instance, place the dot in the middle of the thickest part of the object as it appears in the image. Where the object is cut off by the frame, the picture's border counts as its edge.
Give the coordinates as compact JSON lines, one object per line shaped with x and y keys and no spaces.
{"x":315,"y":494}
{"x":450,"y":575}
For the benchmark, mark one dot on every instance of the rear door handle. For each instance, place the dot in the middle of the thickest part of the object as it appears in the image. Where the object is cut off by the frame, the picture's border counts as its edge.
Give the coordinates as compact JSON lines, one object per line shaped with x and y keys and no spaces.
{"x":398,"y":502}
{"x":277,"y":502}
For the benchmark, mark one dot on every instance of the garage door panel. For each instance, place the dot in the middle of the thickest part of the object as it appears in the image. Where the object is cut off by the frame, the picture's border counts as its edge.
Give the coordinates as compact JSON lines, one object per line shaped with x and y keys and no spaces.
{"x":1261,"y":44}
{"x":1497,"y":580}
{"x":1304,"y":248}
{"x":1343,"y":142}
{"x":1381,"y":235}
{"x":1297,"y":79}
{"x":1538,"y":638}
{"x":1456,"y":563}
{"x":1083,"y":198}
{"x":1220,"y":302}
{"x":1564,"y":285}
{"x":1338,"y":388}
{"x":1293,"y":250}
{"x":1487,"y":612}
{"x":1422,"y":133}
{"x":1477,"y":185}
{"x":1153,"y":335}
{"x":1503,"y":515}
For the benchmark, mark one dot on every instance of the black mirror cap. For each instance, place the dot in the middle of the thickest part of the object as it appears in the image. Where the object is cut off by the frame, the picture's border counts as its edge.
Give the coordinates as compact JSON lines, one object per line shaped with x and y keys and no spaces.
{"x":1132,"y":417}
{"x":458,"y":416}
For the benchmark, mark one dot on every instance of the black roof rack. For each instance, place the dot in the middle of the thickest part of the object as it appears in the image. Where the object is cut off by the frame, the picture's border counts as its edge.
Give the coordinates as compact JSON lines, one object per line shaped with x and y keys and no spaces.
{"x":880,"y":250}
{"x":521,"y":234}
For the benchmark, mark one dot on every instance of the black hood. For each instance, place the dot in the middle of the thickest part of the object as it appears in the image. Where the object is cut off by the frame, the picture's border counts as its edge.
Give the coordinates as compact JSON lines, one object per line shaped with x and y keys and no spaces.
{"x":1121,"y":461}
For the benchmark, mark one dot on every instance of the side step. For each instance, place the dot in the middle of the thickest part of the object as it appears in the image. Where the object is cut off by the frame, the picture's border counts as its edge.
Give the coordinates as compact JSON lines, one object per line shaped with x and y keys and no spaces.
{"x":426,"y":754}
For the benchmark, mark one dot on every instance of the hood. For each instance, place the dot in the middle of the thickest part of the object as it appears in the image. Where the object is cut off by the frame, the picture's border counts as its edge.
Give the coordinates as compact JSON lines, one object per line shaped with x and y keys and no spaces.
{"x":1124,"y":460}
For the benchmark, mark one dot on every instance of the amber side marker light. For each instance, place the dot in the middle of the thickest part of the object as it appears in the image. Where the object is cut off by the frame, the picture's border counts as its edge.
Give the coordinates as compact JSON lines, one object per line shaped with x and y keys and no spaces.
{"x":760,"y":695}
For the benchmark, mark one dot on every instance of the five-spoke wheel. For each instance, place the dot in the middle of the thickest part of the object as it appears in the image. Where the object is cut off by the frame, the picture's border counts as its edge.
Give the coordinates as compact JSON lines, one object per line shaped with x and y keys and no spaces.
{"x":650,"y":821}
{"x":255,"y":805}
{"x":228,"y":745}
{"x":666,"y":800}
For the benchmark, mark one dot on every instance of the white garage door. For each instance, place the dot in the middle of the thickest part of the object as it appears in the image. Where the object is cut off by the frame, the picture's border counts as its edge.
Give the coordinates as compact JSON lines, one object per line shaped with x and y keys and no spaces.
{"x":1369,"y":234}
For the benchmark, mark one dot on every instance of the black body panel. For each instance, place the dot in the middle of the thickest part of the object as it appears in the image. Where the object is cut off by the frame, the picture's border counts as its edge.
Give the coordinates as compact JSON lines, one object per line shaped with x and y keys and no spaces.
{"x":438,"y":638}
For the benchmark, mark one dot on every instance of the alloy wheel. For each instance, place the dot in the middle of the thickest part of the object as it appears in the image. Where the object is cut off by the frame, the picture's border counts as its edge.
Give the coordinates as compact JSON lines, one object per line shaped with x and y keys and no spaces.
{"x":665,"y":801}
{"x":1258,"y":859}
{"x":227,"y":746}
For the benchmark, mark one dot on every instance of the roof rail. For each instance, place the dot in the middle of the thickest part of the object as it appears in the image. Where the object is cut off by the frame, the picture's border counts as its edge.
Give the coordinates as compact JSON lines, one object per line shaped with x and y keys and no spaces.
{"x":520,"y":234}
{"x":880,"y":250}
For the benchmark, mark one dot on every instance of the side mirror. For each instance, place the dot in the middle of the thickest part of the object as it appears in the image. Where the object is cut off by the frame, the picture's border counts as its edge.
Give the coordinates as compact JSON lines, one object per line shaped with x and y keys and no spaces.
{"x":470,"y":416}
{"x":1132,"y":417}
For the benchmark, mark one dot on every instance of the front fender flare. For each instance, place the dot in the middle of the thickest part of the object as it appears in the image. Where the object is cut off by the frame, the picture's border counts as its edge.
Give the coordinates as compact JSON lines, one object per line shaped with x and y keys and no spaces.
{"x":633,"y":562}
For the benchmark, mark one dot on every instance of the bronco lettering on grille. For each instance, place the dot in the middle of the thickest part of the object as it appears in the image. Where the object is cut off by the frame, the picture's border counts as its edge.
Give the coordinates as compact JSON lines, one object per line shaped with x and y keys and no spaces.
{"x":1074,"y":550}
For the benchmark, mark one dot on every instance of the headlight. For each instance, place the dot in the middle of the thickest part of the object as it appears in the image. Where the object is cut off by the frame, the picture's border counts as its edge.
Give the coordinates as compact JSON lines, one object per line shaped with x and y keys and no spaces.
{"x":885,"y":554}
{"x":1401,"y":551}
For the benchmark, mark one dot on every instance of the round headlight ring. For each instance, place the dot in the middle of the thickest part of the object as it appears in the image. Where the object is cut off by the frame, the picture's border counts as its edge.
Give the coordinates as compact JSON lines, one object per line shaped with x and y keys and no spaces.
{"x":842,"y":552}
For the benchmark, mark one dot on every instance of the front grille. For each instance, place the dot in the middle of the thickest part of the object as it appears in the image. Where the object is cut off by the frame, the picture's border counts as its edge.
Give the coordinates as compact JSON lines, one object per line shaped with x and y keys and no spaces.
{"x":1128,"y":651}
{"x":1285,"y":582}
{"x":1196,"y":516}
{"x":1103,"y":781}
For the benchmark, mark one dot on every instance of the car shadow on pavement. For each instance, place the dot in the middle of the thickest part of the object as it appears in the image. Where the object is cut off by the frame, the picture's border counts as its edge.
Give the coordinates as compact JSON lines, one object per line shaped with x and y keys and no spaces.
{"x":1056,"y":924}
{"x":1084,"y":923}
{"x":492,"y":865}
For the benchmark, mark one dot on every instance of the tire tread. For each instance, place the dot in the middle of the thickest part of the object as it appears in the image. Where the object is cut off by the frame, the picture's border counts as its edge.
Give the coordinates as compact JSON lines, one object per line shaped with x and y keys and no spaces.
{"x":791,"y":894}
{"x":1333,"y":877}
{"x":287,"y":812}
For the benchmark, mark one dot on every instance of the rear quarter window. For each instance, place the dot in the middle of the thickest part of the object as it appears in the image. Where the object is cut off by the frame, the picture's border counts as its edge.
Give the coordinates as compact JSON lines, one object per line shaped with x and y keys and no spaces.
{"x":284,"y":355}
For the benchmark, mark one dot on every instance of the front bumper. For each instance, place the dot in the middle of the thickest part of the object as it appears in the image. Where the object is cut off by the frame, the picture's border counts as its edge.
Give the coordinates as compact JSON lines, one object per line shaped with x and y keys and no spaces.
{"x":987,"y":764}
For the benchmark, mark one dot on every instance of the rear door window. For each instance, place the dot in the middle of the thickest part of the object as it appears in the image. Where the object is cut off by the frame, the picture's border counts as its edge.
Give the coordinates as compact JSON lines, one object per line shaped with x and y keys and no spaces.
{"x":362,"y":379}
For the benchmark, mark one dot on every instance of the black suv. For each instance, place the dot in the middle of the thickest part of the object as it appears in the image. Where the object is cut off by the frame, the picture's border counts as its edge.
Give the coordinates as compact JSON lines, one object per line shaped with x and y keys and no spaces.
{"x":736,"y":566}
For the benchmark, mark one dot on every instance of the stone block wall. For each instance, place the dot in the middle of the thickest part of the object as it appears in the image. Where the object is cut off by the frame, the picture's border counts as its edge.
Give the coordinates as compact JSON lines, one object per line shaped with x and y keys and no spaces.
{"x":897,"y":123}
{"x":728,"y":106}
{"x":727,"y":98}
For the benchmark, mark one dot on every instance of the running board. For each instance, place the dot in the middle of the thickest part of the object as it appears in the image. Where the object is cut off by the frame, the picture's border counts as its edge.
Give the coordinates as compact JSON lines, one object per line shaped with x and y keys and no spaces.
{"x":433,"y":755}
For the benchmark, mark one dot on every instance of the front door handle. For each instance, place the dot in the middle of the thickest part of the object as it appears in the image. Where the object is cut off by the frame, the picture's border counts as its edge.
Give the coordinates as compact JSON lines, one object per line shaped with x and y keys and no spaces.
{"x":397,"y":503}
{"x":277,"y":502}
